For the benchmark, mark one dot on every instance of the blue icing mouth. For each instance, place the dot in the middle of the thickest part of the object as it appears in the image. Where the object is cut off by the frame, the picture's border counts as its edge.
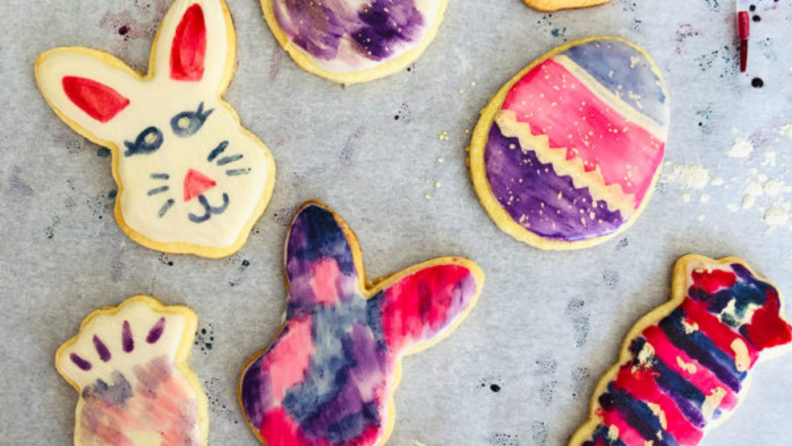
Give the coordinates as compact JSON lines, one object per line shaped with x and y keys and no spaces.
{"x":376,"y":29}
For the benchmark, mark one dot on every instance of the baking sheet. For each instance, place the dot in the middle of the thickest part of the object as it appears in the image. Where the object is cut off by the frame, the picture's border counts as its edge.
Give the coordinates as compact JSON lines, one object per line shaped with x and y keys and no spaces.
{"x":521,"y":369}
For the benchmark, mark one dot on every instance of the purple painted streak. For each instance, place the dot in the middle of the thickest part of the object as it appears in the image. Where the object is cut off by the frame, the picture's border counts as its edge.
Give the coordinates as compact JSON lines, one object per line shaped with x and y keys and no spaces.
{"x":560,"y":218}
{"x":127,"y":342}
{"x":101,"y":349}
{"x":156,"y":331}
{"x":318,"y":26}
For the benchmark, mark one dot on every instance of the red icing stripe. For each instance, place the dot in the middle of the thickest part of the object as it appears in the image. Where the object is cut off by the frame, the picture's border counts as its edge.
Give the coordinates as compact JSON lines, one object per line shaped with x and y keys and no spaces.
{"x":641,"y":384}
{"x":713,"y":280}
{"x":189,"y":46}
{"x":767,"y":329}
{"x":703,"y":379}
{"x":556,"y":103}
{"x":97,"y":100}
{"x":420,"y":305}
{"x":719,"y":333}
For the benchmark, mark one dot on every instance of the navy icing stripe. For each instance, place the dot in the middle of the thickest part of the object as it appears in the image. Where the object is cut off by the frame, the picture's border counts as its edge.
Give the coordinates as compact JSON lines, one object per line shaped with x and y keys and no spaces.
{"x":601,"y":433}
{"x":609,"y":62}
{"x":703,"y":350}
{"x":687,"y":397}
{"x":638,"y":415}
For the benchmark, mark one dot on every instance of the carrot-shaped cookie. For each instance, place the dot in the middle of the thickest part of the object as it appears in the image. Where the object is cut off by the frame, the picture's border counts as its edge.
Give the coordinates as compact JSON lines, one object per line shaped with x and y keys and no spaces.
{"x":685,"y":366}
{"x":129,"y":366}
{"x":329,"y":375}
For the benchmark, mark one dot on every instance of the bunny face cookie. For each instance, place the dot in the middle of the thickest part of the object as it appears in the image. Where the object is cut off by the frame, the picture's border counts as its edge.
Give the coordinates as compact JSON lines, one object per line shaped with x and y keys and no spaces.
{"x":351,"y":41}
{"x":329,"y":374}
{"x":686,"y":365}
{"x":129,"y":365}
{"x":567,"y":153}
{"x":190,"y":178}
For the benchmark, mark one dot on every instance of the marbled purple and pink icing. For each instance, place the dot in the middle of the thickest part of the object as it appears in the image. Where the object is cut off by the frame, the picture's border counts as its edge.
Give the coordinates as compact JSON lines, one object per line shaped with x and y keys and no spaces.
{"x":328,"y":377}
{"x":575,"y":147}
{"x":135,"y":387}
{"x":345,"y":36}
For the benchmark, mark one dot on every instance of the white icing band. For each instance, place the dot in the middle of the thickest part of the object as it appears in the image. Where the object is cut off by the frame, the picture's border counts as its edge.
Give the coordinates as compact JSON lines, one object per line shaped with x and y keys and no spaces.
{"x":157,"y":195}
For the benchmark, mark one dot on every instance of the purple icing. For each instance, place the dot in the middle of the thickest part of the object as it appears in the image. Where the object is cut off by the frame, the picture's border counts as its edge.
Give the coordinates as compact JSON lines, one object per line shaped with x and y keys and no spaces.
{"x":318,"y":26}
{"x":126,"y":337}
{"x":156,"y":331}
{"x":101,"y":349}
{"x":535,"y":203}
{"x":80,"y":362}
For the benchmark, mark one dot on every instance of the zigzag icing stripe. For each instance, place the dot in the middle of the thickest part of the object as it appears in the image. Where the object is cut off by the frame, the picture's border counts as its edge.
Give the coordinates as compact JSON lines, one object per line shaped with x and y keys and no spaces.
{"x":612,"y":99}
{"x":612,"y":194}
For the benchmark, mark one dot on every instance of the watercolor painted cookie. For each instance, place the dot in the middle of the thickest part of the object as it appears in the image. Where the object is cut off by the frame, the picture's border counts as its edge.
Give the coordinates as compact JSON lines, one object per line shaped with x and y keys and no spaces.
{"x":352,"y":41}
{"x":557,"y":5}
{"x":129,"y":366}
{"x":567,"y":153}
{"x":190,"y":178}
{"x":685,"y":366}
{"x":329,"y":375}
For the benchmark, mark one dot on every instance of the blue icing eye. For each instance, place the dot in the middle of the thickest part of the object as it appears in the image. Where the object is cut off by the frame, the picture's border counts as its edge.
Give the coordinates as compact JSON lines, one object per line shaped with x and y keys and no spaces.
{"x":148,"y":141}
{"x":189,"y":122}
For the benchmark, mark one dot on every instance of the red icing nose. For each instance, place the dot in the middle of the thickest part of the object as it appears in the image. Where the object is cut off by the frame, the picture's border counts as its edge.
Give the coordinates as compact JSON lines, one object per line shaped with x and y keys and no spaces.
{"x":196,"y":183}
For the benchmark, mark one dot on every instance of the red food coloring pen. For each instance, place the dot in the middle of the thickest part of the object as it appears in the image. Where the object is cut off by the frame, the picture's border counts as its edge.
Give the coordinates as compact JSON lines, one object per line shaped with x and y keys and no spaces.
{"x":743,"y":31}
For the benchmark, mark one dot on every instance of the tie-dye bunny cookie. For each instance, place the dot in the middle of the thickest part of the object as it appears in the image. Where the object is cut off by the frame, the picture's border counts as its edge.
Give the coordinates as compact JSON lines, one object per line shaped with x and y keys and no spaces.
{"x":567,"y":153}
{"x":557,"y":5}
{"x":190,"y":178}
{"x":129,"y":365}
{"x":352,"y":41}
{"x":685,"y":366}
{"x":329,"y":375}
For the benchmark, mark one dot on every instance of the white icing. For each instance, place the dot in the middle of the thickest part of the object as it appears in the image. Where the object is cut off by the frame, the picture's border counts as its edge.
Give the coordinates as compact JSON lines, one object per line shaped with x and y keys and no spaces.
{"x":348,"y":59}
{"x":155,"y":102}
{"x":108,"y":328}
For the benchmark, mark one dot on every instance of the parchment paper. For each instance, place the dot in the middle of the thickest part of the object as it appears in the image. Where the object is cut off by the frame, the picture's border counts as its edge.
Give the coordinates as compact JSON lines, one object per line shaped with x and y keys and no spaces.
{"x":547,"y":324}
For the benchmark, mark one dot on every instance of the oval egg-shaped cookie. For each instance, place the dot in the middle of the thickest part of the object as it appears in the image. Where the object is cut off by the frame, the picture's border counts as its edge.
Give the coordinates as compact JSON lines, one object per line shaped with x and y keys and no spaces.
{"x":352,"y":41}
{"x":567,"y":153}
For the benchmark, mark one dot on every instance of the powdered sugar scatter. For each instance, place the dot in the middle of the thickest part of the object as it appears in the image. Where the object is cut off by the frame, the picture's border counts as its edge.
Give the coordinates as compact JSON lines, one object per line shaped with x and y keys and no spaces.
{"x":694,"y":177}
{"x":742,"y":148}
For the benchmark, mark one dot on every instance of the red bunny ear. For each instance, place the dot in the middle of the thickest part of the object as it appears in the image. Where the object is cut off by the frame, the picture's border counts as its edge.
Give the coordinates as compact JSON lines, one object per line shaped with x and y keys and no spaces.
{"x":189,"y":46}
{"x":97,"y":100}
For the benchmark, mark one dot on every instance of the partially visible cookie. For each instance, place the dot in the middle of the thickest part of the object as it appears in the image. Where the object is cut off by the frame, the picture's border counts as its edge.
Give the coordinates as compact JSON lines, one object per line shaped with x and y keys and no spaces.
{"x":329,"y":374}
{"x":129,"y":365}
{"x":567,"y":153}
{"x":556,"y":5}
{"x":352,"y":41}
{"x":686,"y":366}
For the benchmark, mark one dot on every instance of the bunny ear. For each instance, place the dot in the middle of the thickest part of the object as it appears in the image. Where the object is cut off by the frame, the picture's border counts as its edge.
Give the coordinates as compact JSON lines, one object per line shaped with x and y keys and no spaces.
{"x":90,"y":90}
{"x":319,"y":259}
{"x":427,"y":301}
{"x":196,"y":44}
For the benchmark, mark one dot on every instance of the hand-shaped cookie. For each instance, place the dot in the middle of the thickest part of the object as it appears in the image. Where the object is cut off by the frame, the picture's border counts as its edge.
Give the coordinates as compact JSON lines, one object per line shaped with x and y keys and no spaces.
{"x":129,"y":365}
{"x":329,"y":374}
{"x":687,"y":363}
{"x":190,"y":178}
